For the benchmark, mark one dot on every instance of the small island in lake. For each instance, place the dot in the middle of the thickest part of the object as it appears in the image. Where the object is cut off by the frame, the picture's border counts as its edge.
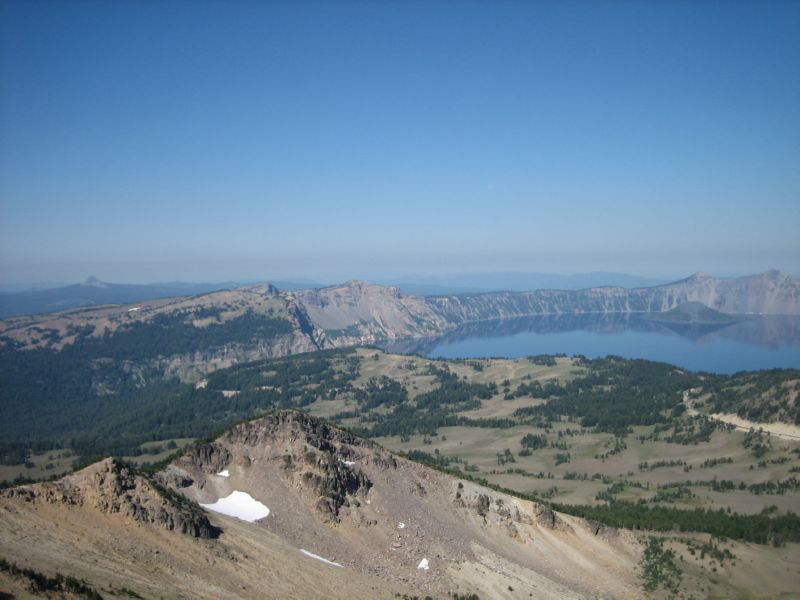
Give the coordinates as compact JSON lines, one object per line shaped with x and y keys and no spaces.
{"x":692,"y":313}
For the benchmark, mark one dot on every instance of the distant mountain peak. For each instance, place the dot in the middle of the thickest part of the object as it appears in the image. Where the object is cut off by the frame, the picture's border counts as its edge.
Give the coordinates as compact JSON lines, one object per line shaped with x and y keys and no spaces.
{"x":264,"y":287}
{"x":93,"y":281}
{"x":700,"y":275}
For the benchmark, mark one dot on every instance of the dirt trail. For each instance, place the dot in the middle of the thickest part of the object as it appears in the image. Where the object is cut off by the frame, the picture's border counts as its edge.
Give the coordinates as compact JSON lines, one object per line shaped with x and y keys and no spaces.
{"x":783,"y":431}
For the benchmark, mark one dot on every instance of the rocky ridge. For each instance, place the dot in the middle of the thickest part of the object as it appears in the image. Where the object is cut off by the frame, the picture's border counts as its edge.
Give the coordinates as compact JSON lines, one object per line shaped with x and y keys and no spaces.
{"x":350,"y":500}
{"x":110,"y":487}
{"x":346,"y":519}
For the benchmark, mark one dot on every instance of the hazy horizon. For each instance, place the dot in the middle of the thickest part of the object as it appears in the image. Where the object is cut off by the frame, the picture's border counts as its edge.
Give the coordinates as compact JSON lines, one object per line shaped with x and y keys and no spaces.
{"x":444,"y":279}
{"x":144,"y":142}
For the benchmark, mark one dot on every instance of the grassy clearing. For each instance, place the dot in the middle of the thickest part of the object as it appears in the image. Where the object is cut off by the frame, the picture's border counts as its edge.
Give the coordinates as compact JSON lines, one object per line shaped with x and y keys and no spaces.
{"x":158,"y":450}
{"x":40,"y":466}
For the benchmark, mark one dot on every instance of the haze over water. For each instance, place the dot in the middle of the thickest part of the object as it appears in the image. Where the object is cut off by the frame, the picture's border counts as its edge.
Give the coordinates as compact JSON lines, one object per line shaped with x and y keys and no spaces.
{"x":757,"y":343}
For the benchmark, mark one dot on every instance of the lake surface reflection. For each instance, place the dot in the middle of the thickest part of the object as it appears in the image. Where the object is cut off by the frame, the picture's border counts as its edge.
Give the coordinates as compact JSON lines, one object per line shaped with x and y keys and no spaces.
{"x":761,"y":342}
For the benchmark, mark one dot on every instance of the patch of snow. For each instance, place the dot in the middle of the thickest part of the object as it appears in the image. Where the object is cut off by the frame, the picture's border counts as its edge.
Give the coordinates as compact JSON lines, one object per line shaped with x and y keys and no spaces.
{"x":401,"y":525}
{"x":369,"y":501}
{"x":224,"y":473}
{"x":423,"y":564}
{"x":134,"y":309}
{"x":240,"y":505}
{"x":348,"y":463}
{"x":319,"y":558}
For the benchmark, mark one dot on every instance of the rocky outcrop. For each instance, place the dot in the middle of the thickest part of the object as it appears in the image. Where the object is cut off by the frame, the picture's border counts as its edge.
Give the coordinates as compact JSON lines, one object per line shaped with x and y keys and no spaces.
{"x":359,"y":312}
{"x":336,"y":484}
{"x":310,"y":456}
{"x":504,"y":512}
{"x":112,"y":488}
{"x":317,"y":458}
{"x":295,"y":425}
{"x":209,"y":458}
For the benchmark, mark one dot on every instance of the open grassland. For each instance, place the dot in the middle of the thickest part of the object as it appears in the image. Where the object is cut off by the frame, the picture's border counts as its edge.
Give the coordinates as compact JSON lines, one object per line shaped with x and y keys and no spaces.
{"x":690,"y":468}
{"x":713,"y":568}
{"x":153,"y":452}
{"x":41,"y":465}
{"x":581,"y":465}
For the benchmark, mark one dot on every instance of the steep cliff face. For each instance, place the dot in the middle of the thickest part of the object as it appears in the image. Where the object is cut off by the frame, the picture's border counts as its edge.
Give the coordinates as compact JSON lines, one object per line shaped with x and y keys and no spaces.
{"x":358,"y":311}
{"x":770,"y":293}
{"x":504,"y":305}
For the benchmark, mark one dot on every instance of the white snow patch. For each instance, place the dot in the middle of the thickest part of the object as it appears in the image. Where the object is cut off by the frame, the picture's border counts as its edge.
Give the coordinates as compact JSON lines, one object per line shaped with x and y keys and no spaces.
{"x":224,"y":473}
{"x":423,"y":564}
{"x":240,"y":505}
{"x":401,"y":525}
{"x":134,"y":309}
{"x":319,"y":558}
{"x":348,"y":463}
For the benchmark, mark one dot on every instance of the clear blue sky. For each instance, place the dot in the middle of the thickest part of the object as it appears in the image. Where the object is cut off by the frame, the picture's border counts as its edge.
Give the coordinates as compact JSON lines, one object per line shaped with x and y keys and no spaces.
{"x":147,"y":141}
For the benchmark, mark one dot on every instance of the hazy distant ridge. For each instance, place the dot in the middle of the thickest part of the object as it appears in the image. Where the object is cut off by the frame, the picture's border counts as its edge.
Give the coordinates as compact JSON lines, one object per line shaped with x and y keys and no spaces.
{"x":361,"y":312}
{"x":200,"y":333}
{"x":767,"y":293}
{"x":94,"y":292}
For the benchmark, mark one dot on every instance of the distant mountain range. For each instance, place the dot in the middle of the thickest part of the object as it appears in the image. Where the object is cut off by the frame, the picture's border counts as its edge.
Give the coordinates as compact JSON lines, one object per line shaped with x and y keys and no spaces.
{"x":53,"y":297}
{"x":434,"y":285}
{"x":93,"y":292}
{"x":48,"y":298}
{"x":188,"y":335}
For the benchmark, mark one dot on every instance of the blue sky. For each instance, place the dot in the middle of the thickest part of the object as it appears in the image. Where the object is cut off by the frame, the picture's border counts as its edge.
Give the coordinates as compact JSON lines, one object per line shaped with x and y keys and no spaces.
{"x":144,"y":141}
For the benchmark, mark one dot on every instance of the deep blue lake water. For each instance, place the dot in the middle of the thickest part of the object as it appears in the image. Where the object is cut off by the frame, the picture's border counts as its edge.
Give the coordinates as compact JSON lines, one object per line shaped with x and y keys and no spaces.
{"x":754,"y":343}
